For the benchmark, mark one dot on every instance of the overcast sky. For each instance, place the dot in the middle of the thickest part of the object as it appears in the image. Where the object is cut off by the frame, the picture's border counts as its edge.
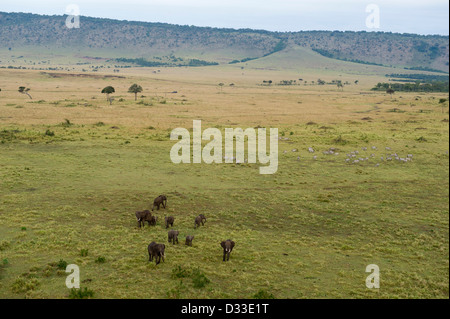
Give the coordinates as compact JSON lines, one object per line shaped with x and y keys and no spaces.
{"x":404,"y":16}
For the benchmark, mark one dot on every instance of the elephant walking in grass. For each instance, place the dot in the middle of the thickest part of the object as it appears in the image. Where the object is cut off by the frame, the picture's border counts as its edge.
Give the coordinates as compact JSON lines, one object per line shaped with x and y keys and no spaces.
{"x":227,"y":246}
{"x":156,"y":251}
{"x":158,"y":201}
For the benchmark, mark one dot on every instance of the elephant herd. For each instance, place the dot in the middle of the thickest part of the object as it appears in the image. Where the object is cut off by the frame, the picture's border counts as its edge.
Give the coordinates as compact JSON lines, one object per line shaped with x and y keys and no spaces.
{"x":157,"y":251}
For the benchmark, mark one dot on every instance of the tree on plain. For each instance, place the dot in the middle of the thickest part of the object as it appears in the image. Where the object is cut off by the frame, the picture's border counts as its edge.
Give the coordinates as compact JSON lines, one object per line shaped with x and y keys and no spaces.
{"x":108,"y":90}
{"x":24,"y":90}
{"x":135,"y":88}
{"x":441,"y":102}
{"x":390,"y":91}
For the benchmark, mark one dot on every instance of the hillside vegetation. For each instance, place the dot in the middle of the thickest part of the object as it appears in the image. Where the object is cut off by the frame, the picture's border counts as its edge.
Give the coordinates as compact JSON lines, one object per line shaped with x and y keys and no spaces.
{"x":113,"y":38}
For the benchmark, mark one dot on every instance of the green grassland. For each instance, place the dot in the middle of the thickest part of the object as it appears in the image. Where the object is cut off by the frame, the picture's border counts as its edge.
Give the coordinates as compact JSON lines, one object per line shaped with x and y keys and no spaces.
{"x":308,"y":231}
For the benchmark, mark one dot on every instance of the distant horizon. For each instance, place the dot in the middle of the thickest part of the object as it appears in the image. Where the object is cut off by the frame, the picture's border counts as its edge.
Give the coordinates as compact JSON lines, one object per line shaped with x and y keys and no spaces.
{"x":395,"y":16}
{"x":229,"y":28}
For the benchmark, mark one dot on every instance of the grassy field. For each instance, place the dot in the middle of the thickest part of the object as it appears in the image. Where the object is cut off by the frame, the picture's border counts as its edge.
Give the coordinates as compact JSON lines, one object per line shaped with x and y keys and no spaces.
{"x":74,"y":169}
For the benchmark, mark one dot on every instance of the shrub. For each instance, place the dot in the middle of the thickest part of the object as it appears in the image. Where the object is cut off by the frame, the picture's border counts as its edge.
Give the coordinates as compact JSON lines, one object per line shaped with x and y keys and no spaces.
{"x":179,"y":272}
{"x":49,"y":133}
{"x":263,"y":294}
{"x":62,"y":264}
{"x":145,"y":103}
{"x":66,"y":123}
{"x":421,"y":139}
{"x":82,"y":293}
{"x":100,"y":260}
{"x":339,"y":140}
{"x":199,"y":280}
{"x":84,"y":252}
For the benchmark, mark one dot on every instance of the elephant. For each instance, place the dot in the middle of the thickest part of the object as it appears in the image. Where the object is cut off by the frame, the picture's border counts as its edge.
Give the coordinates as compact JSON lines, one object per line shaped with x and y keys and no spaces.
{"x":169,"y":221}
{"x":200,"y":219}
{"x":157,"y":251}
{"x":160,"y":200}
{"x":173,"y":236}
{"x":227,"y":246}
{"x":189,"y":240}
{"x":153,"y":220}
{"x":144,"y":216}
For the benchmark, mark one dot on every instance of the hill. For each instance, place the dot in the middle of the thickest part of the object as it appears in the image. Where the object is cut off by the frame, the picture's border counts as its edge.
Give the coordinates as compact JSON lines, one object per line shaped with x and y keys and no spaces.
{"x":152,"y":41}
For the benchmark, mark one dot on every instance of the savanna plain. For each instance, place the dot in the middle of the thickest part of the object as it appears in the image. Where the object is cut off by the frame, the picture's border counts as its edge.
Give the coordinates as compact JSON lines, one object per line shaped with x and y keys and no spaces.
{"x":74,"y":169}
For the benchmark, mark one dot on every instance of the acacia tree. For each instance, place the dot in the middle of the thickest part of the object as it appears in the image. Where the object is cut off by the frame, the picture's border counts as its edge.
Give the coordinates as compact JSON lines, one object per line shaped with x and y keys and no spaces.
{"x":108,"y":90}
{"x":340,"y":85}
{"x":135,"y":88}
{"x":221,"y":85}
{"x":25,"y":90}
{"x":390,"y":91}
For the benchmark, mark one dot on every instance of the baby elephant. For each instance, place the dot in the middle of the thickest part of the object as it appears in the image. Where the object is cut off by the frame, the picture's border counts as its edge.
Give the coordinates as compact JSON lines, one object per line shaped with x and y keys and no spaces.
{"x":144,"y":216}
{"x":200,"y":219}
{"x":227,"y":248}
{"x":173,"y":236}
{"x":169,"y":221}
{"x":157,"y":251}
{"x":152,"y":221}
{"x":160,"y":200}
{"x":189,"y":240}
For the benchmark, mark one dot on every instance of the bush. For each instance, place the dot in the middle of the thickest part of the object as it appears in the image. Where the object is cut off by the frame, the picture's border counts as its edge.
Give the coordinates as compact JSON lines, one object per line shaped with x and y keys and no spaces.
{"x":82,"y":293}
{"x":62,"y":264}
{"x":66,"y":123}
{"x":100,"y":260}
{"x":49,"y":133}
{"x":263,"y":294}
{"x":199,"y":279}
{"x":179,"y":272}
{"x":421,"y":139}
{"x":339,"y":140}
{"x":84,"y":252}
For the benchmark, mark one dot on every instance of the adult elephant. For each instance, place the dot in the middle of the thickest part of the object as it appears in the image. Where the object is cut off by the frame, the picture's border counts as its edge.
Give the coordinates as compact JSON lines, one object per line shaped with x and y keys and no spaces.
{"x":156,"y":251}
{"x":144,"y":216}
{"x":227,"y":246}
